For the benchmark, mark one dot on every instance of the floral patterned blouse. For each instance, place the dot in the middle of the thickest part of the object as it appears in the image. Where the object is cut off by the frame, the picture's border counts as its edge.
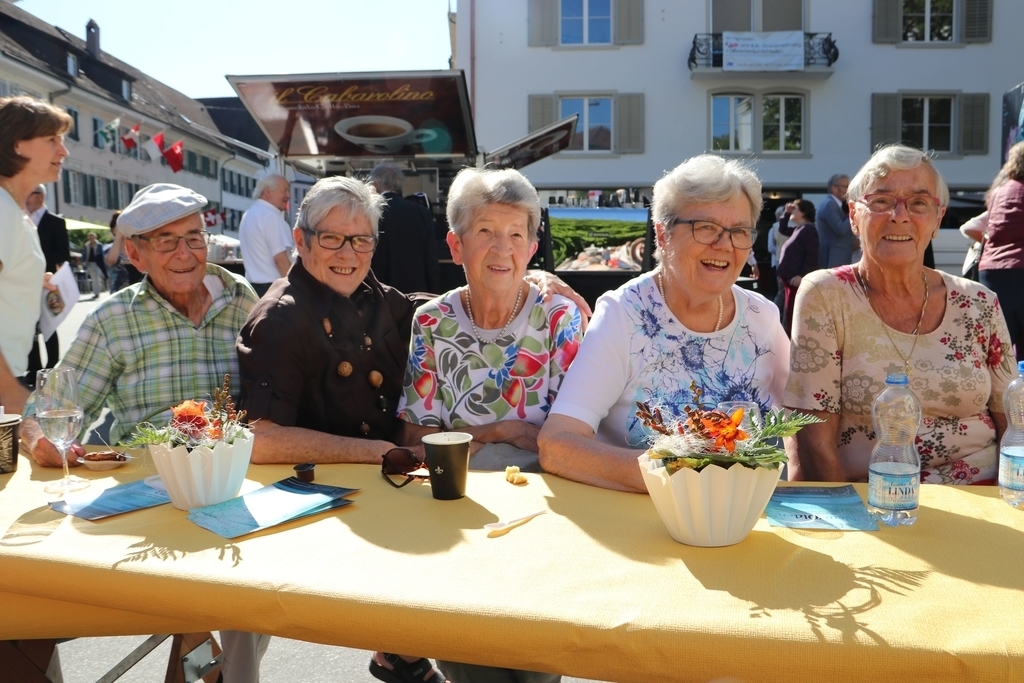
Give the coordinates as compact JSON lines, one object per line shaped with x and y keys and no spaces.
{"x":841,"y":355}
{"x":455,"y":380}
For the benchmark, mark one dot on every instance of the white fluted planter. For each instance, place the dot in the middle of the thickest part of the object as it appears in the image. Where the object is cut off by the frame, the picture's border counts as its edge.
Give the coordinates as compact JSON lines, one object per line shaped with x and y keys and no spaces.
{"x":203,"y":476}
{"x":711,"y":508}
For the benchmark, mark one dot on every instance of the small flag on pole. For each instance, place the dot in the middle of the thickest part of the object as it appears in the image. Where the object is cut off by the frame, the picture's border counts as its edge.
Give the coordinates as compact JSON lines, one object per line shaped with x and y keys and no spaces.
{"x":155,"y":146}
{"x":131,"y":138}
{"x":175,"y":155}
{"x":109,"y":131}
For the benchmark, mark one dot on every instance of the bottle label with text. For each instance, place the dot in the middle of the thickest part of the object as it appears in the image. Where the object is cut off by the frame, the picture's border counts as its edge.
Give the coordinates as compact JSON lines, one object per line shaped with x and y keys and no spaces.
{"x":891,"y":489}
{"x":1011,"y":471}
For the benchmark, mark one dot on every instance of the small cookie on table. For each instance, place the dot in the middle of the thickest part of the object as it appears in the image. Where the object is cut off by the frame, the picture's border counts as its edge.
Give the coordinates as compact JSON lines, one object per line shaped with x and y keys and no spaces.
{"x":514,"y":476}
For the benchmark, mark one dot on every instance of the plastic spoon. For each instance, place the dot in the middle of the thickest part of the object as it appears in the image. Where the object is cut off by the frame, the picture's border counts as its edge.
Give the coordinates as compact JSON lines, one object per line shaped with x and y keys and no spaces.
{"x":497,"y":526}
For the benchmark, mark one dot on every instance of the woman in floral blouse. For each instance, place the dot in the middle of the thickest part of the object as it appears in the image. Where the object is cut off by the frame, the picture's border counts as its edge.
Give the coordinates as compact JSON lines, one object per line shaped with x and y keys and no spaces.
{"x":489,"y":358}
{"x":888,"y":313}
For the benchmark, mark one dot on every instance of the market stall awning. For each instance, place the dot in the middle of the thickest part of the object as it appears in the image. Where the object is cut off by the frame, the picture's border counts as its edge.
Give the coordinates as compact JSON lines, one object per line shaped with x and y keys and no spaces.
{"x":535,"y":146}
{"x":317,"y":119}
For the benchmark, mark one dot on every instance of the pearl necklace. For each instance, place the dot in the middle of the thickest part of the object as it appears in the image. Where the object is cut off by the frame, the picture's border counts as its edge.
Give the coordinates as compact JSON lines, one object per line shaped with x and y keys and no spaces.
{"x":476,"y":332}
{"x":885,"y":328}
{"x":721,"y":306}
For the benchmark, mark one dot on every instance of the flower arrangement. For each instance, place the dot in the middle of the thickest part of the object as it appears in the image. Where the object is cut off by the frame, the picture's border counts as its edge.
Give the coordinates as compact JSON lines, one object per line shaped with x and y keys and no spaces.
{"x":711,"y":437}
{"x":196,"y":423}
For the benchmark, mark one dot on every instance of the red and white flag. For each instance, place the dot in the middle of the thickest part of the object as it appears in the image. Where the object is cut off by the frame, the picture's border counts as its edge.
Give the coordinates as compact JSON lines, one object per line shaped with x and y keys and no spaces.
{"x":131,"y":138}
{"x":211,"y":218}
{"x":175,"y":155}
{"x":155,"y":146}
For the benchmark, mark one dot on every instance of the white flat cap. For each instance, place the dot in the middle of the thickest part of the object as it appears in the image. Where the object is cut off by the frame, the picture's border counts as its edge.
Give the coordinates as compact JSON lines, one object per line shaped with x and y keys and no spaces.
{"x":157,"y":205}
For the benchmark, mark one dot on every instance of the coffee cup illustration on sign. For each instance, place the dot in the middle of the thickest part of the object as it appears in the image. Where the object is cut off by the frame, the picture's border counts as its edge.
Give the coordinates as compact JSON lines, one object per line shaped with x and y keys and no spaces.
{"x":381,"y":134}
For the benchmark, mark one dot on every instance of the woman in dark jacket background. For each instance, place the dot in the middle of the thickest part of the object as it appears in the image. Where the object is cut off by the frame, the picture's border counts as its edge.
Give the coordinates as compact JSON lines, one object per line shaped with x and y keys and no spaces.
{"x":799,"y":254}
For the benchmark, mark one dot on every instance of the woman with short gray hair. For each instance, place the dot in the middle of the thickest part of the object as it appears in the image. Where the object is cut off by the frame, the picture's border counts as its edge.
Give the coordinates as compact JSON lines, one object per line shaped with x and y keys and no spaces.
{"x":685,"y":322}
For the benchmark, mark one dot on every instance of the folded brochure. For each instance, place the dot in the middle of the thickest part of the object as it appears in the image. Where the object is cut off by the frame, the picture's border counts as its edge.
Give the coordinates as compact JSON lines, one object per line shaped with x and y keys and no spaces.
{"x":93,"y":504}
{"x":269,"y":506}
{"x":819,"y":507}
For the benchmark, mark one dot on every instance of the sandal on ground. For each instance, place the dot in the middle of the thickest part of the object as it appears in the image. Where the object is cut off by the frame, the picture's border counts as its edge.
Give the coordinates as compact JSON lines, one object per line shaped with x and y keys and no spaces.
{"x":402,"y":671}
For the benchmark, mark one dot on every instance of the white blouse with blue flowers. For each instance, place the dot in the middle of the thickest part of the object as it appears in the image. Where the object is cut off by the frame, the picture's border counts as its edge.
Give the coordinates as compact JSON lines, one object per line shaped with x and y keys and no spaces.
{"x":636,"y":350}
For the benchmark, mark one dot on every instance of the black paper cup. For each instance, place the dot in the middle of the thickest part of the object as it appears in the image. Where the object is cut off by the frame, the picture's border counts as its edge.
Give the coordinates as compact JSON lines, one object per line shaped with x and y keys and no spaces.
{"x":448,"y":462}
{"x":9,"y":428}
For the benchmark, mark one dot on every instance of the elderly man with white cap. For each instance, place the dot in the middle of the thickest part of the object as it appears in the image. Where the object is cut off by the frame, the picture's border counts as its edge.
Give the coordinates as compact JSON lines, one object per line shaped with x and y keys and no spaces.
{"x":152,"y":345}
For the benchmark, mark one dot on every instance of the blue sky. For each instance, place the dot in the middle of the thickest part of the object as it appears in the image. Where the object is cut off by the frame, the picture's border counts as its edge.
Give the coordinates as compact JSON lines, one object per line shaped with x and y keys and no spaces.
{"x":191,"y":44}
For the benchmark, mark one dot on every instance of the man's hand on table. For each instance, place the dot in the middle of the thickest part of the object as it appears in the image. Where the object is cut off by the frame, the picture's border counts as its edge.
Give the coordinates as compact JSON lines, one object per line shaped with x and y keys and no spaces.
{"x":44,"y":452}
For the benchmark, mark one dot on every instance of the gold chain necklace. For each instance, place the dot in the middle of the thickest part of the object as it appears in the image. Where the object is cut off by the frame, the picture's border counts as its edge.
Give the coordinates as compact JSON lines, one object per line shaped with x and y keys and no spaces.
{"x":885,"y":328}
{"x":721,"y":306}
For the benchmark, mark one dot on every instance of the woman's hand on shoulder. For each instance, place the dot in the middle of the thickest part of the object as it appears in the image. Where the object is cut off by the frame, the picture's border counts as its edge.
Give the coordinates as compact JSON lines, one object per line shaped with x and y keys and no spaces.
{"x":549,"y":285}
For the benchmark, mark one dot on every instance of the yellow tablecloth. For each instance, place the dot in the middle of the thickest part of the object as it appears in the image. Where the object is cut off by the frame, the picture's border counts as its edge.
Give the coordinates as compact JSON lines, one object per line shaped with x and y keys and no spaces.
{"x":595,"y":588}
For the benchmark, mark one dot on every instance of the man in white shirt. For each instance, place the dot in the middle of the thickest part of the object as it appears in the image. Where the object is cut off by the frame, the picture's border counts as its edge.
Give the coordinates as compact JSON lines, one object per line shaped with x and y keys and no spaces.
{"x":266,"y":238}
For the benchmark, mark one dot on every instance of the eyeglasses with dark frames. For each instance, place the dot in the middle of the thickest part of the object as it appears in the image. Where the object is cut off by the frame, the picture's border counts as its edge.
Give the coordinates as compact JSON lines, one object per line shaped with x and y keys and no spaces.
{"x":165,"y":243}
{"x":918,"y":204}
{"x":706,"y":232}
{"x":361,"y":244}
{"x":401,"y":462}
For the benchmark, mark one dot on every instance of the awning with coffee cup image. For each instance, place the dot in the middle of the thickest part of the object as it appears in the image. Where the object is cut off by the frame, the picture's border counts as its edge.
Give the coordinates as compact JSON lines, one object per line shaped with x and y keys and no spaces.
{"x":383,"y":114}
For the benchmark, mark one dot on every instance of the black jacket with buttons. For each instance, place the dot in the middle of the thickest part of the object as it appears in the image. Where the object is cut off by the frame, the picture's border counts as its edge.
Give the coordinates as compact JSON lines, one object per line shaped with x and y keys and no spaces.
{"x":305,"y":361}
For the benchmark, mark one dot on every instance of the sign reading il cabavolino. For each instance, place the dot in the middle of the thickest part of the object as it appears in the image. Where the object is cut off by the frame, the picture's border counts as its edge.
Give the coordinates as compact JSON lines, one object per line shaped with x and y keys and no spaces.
{"x":391,"y":114}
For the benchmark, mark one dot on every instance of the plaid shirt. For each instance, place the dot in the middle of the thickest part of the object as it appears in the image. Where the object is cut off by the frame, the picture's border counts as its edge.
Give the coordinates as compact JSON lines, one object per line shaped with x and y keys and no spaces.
{"x":139,"y":356}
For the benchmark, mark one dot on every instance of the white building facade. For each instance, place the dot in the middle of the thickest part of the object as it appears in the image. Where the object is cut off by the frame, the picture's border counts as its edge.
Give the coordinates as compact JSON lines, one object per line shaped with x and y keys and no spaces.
{"x":647,"y":78}
{"x":101,"y":175}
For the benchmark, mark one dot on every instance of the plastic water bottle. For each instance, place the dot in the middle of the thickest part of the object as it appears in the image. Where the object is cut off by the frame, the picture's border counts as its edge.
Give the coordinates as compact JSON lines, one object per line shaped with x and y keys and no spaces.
{"x":894,"y":474}
{"x":1011,"y":448}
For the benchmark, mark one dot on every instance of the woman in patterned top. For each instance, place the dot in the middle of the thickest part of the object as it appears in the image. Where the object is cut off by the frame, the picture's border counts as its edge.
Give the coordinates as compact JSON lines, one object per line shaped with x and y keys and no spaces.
{"x":888,"y":313}
{"x":489,"y":358}
{"x":684,"y":322}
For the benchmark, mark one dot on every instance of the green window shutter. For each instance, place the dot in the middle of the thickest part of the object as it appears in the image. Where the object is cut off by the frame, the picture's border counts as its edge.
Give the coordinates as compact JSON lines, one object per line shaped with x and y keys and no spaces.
{"x":542,"y":111}
{"x":974,"y":123}
{"x":886,"y":22}
{"x":629,"y":22}
{"x":542,"y":16}
{"x":67,"y":185}
{"x":629,"y":124}
{"x":976,"y":21}
{"x":885,"y":119}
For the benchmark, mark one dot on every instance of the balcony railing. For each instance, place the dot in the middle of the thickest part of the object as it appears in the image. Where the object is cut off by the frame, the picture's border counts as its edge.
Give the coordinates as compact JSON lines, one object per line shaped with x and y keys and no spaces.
{"x":819,"y":50}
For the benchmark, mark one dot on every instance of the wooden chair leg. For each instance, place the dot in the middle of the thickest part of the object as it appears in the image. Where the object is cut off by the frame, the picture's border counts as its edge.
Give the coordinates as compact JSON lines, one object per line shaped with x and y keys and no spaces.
{"x":25,"y":661}
{"x":181,"y":645}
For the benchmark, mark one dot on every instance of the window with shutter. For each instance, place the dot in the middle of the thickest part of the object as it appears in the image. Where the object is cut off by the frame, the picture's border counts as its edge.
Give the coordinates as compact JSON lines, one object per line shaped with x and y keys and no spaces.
{"x":629,"y":123}
{"x":885,"y":119}
{"x":542,"y":17}
{"x":977,"y":21}
{"x":541,"y":111}
{"x":974,"y":123}
{"x":629,"y":22}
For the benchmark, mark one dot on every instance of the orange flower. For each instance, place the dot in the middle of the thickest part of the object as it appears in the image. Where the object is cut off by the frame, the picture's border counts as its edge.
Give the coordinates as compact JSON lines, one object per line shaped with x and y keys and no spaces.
{"x":190,"y":417}
{"x":725,"y":430}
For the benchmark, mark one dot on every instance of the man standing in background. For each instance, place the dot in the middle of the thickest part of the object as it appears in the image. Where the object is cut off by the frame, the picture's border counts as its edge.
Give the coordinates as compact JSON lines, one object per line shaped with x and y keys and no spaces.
{"x":266,"y":238}
{"x":836,"y":242}
{"x":53,"y":238}
{"x":92,"y":257}
{"x":406,"y":255}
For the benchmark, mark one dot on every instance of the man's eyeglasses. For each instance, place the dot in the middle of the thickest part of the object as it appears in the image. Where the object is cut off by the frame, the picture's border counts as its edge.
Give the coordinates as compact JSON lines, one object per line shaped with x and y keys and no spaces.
{"x":706,"y":232}
{"x":333,"y":241}
{"x":918,"y":204}
{"x":401,"y":462}
{"x":163,"y":243}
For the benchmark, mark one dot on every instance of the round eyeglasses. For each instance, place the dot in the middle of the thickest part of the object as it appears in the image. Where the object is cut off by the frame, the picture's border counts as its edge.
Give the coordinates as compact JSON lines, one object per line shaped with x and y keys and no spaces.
{"x":706,"y":232}
{"x":331,"y":240}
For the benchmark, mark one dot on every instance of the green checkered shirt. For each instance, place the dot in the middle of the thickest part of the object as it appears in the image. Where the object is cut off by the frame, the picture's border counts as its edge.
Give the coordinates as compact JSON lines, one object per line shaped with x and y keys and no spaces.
{"x":139,"y":356}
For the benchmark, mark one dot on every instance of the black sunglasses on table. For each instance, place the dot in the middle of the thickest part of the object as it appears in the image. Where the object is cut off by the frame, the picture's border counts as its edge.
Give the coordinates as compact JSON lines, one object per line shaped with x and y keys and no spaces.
{"x":401,"y":462}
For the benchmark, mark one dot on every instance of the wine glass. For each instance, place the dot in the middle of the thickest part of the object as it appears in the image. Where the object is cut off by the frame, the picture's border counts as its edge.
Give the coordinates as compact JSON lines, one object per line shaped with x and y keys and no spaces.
{"x":59,"y":413}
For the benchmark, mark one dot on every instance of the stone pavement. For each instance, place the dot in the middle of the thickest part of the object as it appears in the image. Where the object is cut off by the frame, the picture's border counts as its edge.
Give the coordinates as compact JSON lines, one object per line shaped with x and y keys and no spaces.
{"x":84,"y":660}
